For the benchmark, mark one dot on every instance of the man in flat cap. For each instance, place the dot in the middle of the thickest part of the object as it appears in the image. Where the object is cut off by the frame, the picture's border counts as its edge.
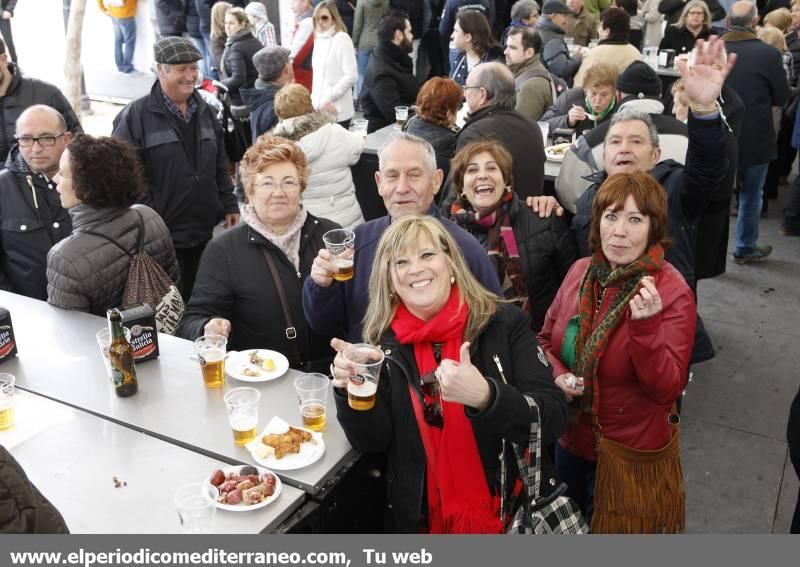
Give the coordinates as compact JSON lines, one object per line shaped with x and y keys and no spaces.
{"x":274,"y":66}
{"x":555,"y":53}
{"x":183,"y":153}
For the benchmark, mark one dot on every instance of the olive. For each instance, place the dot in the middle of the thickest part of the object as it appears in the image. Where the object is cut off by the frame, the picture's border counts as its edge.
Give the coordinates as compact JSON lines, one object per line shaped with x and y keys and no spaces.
{"x":248,"y":470}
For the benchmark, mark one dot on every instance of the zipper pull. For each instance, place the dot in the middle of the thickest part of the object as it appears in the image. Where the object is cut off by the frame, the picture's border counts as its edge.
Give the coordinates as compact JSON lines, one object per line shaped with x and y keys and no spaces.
{"x":496,"y":358}
{"x":33,"y":191}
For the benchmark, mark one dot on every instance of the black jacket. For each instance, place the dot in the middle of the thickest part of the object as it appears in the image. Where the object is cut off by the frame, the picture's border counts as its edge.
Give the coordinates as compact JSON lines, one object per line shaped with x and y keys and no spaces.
{"x":8,"y":5}
{"x":259,"y":98}
{"x":234,"y":282}
{"x":171,"y":17}
{"x":23,"y":509}
{"x":442,"y":138}
{"x":390,"y":427}
{"x":556,"y":115}
{"x":681,"y":39}
{"x":191,"y":193}
{"x":520,"y":136}
{"x":22,"y":93}
{"x":237,"y":63}
{"x":672,"y":10}
{"x":388,"y":82}
{"x":546,"y":251}
{"x":793,"y":437}
{"x":31,"y":222}
{"x":758,"y":78}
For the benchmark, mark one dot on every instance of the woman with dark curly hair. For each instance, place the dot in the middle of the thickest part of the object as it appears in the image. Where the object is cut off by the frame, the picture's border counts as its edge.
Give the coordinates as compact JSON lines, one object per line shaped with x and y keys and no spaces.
{"x":472,"y":35}
{"x":437,"y":105}
{"x":99,"y":181}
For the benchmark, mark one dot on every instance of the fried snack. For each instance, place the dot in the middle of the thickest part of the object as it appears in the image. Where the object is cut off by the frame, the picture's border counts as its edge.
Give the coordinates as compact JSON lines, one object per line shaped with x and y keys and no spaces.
{"x":558,"y":149}
{"x":286,"y":443}
{"x":252,"y":372}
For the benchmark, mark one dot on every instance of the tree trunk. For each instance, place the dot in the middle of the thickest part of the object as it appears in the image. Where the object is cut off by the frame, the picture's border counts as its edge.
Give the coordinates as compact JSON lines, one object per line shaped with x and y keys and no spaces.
{"x":72,"y":61}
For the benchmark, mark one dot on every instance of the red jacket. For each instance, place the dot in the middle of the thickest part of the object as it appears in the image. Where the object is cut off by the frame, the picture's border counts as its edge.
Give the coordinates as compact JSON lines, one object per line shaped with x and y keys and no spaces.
{"x":643,"y":370}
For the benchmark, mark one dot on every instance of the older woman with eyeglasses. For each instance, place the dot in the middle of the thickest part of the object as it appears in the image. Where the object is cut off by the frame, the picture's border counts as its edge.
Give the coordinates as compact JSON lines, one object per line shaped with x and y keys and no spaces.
{"x":245,"y":271}
{"x":459,"y":363}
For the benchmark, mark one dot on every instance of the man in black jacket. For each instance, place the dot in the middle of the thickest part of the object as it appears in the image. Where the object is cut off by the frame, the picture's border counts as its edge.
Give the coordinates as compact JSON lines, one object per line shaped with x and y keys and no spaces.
{"x":18,"y":93}
{"x":275,"y":71}
{"x":30,"y":210}
{"x":183,"y":153}
{"x":389,"y":79}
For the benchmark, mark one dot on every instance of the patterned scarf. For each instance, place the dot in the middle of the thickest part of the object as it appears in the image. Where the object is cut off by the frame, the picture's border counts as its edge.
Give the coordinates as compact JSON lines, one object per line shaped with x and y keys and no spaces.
{"x":459,"y":499}
{"x":501,"y":243}
{"x":288,"y":242}
{"x":593,"y":336}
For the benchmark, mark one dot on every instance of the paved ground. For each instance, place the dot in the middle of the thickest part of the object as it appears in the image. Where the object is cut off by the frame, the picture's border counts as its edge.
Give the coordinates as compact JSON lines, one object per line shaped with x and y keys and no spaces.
{"x":738,"y":476}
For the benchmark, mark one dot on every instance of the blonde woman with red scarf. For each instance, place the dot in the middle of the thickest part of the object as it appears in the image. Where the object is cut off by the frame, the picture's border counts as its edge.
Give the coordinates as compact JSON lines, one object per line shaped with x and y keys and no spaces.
{"x":619,"y":335}
{"x":459,"y":362}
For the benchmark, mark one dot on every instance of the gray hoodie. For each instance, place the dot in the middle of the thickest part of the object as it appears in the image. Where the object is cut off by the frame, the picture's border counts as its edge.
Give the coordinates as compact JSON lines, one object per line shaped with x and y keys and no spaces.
{"x":365,"y":26}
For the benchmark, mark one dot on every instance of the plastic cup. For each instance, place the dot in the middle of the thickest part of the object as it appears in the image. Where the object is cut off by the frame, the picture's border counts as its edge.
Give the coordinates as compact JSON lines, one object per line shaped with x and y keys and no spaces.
{"x":104,"y":341}
{"x":545,"y":128}
{"x":6,"y":401}
{"x":361,"y":126}
{"x":242,"y":407}
{"x":341,"y":245}
{"x":312,"y":393}
{"x":400,"y":116}
{"x":362,"y":387}
{"x":210,"y":351}
{"x":197,"y":508}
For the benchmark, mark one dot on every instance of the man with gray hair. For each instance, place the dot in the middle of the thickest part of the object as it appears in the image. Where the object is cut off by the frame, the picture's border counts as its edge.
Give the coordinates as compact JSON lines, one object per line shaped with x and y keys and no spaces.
{"x":275,"y":71}
{"x":759,"y":80}
{"x":491,"y":97}
{"x":407,"y":182}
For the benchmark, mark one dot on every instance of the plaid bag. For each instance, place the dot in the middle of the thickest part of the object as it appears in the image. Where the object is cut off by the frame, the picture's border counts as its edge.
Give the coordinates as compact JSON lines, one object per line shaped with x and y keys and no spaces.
{"x":535,"y":514}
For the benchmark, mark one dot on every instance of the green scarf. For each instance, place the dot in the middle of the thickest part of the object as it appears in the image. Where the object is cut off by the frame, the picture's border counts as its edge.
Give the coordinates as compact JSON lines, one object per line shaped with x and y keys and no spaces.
{"x":599,"y":116}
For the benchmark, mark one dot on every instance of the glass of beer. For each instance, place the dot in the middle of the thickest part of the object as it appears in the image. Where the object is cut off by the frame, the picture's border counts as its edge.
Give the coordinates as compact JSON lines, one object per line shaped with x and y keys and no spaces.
{"x":6,"y":401}
{"x":312,"y":392}
{"x":361,"y":125}
{"x":341,"y":244}
{"x":210,"y":351}
{"x":242,"y":407}
{"x":362,"y":386}
{"x":400,"y":116}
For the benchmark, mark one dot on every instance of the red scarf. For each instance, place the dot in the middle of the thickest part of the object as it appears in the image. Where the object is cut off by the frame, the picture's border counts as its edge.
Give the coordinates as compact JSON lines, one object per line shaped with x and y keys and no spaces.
{"x":459,"y":500}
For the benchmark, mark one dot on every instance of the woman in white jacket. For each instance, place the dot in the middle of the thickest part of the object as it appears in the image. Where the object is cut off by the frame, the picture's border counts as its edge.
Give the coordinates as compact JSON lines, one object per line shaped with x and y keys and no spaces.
{"x":330,"y":151}
{"x":334,"y":62}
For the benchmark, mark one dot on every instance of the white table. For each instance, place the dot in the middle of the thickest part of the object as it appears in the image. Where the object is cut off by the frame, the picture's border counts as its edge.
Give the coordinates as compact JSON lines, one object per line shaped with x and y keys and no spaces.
{"x":59,"y":359}
{"x":73,"y":458}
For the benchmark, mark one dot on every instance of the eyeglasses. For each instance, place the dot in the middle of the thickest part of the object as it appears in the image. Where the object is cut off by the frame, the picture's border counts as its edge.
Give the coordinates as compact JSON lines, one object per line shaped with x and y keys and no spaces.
{"x":28,"y":141}
{"x":466,"y":87}
{"x":324,"y":18}
{"x":287,"y":185}
{"x":432,"y":412}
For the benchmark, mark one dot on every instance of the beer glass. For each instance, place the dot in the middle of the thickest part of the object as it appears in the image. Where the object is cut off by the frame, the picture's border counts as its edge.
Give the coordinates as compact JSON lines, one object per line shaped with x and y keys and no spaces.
{"x":361,"y":126}
{"x":312,"y":392}
{"x":210,"y":351}
{"x":103,"y":341}
{"x":6,"y":401}
{"x":362,"y":386}
{"x":196,"y":504}
{"x":341,"y":245}
{"x":400,"y":116}
{"x":242,"y":406}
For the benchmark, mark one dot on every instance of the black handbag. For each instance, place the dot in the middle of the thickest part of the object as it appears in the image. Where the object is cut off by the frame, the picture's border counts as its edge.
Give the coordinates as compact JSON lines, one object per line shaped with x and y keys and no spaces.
{"x":535,"y":513}
{"x":236,"y":132}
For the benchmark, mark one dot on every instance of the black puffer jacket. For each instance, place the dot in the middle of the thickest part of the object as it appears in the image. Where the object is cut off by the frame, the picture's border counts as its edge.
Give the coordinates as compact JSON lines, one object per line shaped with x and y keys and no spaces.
{"x":234,"y":282}
{"x":31,"y":221}
{"x":442,"y":138}
{"x":390,"y":427}
{"x":546,"y":251}
{"x":22,"y":93}
{"x":88,"y":273}
{"x":171,"y":17}
{"x":237,"y":63}
{"x":23,"y":509}
{"x":192,"y":194}
{"x":388,"y":82}
{"x":557,"y":117}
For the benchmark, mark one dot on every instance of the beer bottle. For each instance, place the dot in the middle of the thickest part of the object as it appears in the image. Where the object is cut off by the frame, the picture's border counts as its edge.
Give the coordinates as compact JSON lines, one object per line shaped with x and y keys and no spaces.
{"x":120,"y":355}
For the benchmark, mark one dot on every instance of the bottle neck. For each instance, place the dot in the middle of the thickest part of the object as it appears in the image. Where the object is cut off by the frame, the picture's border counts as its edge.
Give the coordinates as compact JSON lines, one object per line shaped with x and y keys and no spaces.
{"x":115,"y":329}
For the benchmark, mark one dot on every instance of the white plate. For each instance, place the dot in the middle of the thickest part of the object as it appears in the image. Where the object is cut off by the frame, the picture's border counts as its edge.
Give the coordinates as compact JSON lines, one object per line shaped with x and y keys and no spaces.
{"x":558,"y":158}
{"x":236,"y":362}
{"x":309,"y":452}
{"x":242,"y":507}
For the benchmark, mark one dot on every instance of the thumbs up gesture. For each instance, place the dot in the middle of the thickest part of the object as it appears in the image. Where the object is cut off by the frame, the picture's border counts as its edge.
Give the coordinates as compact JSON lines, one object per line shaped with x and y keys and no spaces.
{"x":462,"y":382}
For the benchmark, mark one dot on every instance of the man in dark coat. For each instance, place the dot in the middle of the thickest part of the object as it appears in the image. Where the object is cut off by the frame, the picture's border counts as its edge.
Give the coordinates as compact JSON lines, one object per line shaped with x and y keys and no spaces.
{"x":31,"y":214}
{"x":182,"y":149}
{"x":555,"y":53}
{"x":389,"y":79}
{"x":793,"y":436}
{"x":760,"y":81}
{"x":407,"y":182}
{"x":18,"y":92}
{"x":491,"y":97}
{"x":171,"y":17}
{"x":275,"y":70}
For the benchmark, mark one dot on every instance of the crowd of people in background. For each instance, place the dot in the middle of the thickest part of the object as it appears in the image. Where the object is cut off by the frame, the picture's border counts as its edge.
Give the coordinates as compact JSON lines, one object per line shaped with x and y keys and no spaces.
{"x":494,"y":290}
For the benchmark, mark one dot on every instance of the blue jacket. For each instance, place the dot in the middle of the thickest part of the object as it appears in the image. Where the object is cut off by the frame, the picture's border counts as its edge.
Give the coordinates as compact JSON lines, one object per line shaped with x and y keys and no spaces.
{"x":260,"y":101}
{"x":453,"y":7}
{"x":338,"y":310}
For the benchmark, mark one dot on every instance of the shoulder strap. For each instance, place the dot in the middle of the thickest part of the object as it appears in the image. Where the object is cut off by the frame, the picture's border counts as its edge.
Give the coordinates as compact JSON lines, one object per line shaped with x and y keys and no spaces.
{"x":140,"y":239}
{"x":291,"y":331}
{"x":109,"y":239}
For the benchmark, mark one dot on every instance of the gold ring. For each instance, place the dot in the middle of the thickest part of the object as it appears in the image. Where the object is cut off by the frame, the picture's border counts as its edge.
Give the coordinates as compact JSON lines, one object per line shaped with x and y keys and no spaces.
{"x":717,"y":67}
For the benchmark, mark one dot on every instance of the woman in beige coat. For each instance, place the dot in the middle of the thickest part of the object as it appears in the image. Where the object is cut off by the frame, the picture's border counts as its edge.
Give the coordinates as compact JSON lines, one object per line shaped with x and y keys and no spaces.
{"x":613,"y":48}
